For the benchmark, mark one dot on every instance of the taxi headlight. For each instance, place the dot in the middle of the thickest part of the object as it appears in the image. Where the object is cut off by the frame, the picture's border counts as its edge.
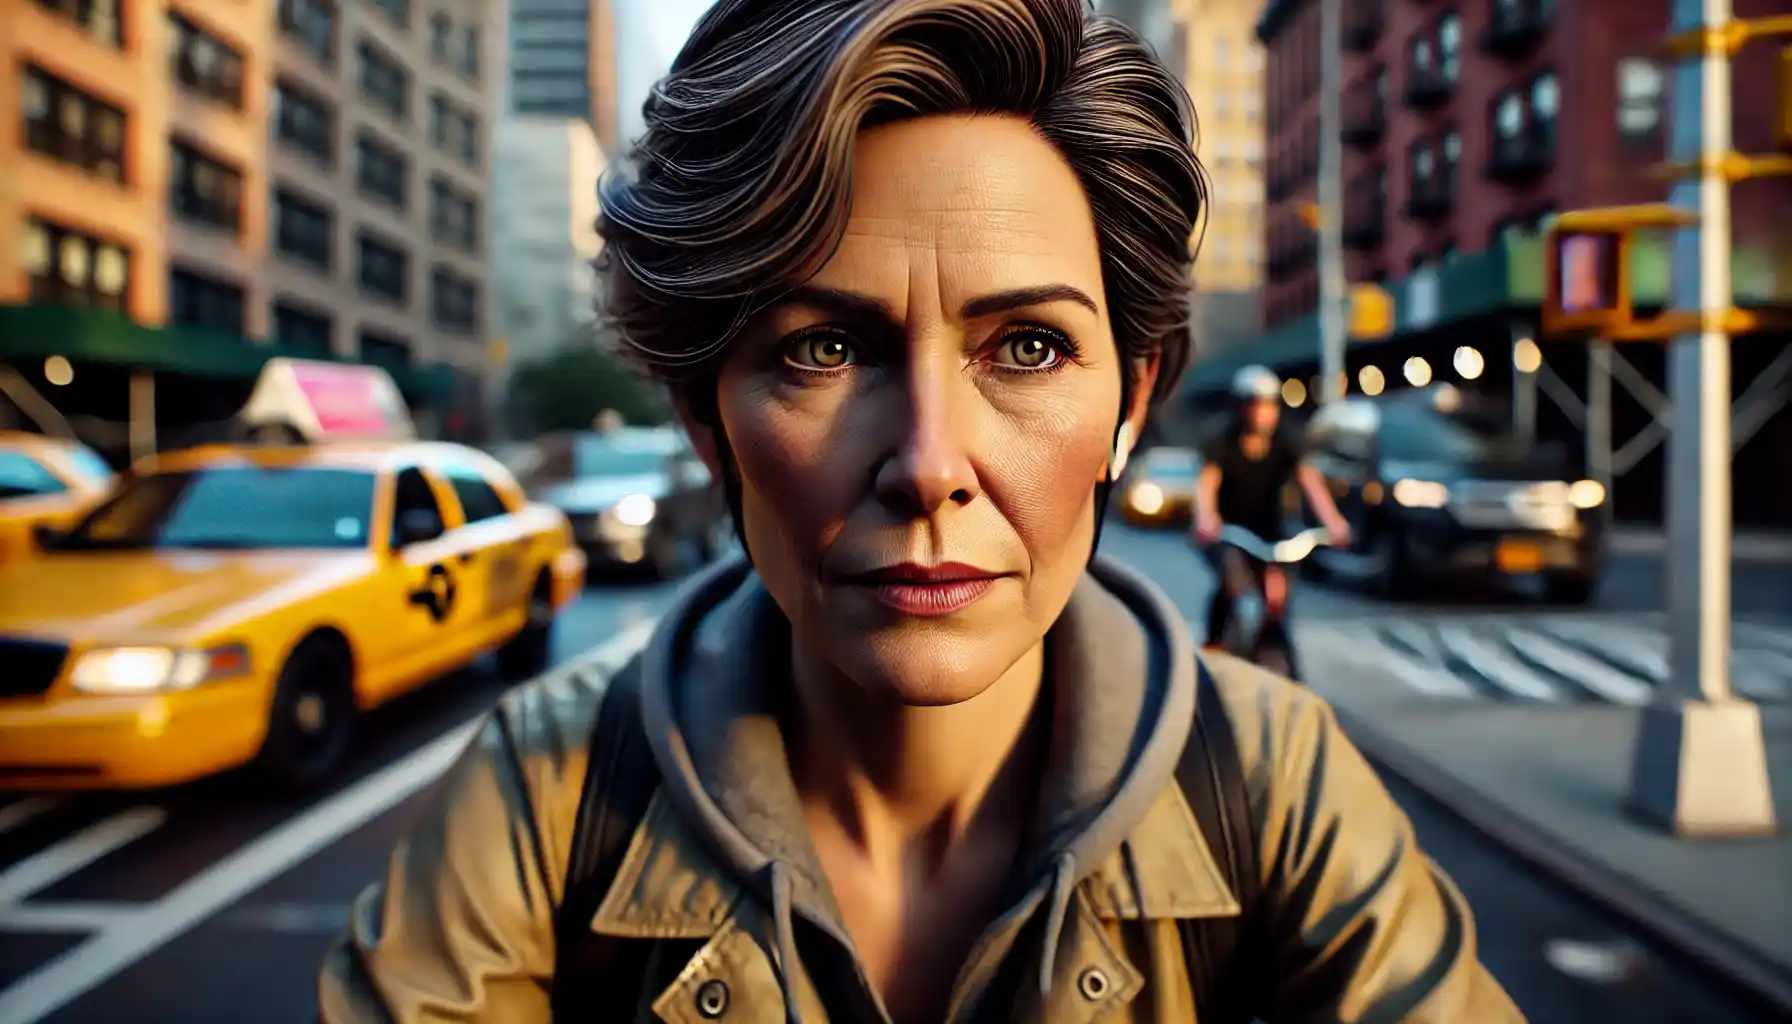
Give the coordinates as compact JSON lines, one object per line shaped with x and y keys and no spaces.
{"x":1586,"y":494}
{"x":1421,"y":494}
{"x":635,"y":510}
{"x":1147,"y":498}
{"x":155,"y":669}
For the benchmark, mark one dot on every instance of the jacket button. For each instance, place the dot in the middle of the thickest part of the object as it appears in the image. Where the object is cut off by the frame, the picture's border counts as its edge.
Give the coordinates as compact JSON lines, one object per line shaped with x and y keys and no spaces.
{"x":1093,"y":984}
{"x":712,"y":999}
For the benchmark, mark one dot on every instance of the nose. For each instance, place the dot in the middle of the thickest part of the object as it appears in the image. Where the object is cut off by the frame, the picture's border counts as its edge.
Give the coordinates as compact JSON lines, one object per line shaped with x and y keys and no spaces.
{"x":932,"y":467}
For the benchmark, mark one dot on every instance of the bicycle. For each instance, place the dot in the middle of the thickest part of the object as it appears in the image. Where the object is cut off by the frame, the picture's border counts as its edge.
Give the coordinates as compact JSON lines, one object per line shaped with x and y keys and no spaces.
{"x":1244,"y":641}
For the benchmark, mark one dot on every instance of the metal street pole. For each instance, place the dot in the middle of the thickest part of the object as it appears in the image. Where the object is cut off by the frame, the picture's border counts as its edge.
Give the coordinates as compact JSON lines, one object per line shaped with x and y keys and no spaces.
{"x":1700,"y":762}
{"x":1331,"y":188}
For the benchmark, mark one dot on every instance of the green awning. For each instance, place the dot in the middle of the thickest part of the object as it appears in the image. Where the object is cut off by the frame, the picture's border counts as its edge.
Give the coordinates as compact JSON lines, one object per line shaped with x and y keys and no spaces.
{"x":34,"y":331}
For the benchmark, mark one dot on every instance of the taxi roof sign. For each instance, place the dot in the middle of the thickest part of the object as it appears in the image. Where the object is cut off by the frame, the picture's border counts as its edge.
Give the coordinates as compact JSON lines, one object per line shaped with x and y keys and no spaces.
{"x":322,"y":401}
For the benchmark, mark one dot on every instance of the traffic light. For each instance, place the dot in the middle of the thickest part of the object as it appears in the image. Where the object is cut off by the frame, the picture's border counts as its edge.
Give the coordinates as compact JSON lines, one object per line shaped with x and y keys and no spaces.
{"x":1782,"y":124}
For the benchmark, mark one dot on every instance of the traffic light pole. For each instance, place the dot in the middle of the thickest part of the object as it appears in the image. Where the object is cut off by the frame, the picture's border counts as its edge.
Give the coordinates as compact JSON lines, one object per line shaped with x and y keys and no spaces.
{"x":1330,"y":203}
{"x":1699,"y":765}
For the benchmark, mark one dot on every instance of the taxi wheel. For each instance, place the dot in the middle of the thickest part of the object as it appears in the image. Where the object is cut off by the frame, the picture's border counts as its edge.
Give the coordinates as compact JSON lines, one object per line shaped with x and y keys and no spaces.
{"x":312,"y":721}
{"x":530,"y":652}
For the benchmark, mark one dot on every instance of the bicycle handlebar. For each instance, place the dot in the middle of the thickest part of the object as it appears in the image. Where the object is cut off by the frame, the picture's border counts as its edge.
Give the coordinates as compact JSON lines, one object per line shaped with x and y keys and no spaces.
{"x":1284,"y":552}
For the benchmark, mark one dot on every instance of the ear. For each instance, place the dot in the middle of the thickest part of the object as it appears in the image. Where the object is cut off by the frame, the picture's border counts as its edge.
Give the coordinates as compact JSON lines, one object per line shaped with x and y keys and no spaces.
{"x":1139,"y":407}
{"x":701,"y":432}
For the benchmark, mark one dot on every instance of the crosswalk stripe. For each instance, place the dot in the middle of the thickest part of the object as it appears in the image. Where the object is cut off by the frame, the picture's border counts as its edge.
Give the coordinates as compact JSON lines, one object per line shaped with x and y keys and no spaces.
{"x":54,"y":863}
{"x":1495,"y":666}
{"x":1361,"y":647}
{"x":1581,"y":669}
{"x":15,"y":814}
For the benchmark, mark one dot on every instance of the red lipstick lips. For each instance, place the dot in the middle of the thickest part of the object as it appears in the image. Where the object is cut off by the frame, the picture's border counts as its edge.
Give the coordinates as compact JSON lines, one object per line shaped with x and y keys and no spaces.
{"x":927,"y":591}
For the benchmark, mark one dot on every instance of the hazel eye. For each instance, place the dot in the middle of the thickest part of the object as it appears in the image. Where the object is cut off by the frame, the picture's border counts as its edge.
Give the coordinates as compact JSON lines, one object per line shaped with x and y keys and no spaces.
{"x":1029,"y":350}
{"x":821,"y":350}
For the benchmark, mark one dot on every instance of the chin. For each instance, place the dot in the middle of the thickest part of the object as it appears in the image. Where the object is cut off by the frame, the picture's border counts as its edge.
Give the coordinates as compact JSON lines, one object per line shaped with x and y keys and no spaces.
{"x":926,"y":664}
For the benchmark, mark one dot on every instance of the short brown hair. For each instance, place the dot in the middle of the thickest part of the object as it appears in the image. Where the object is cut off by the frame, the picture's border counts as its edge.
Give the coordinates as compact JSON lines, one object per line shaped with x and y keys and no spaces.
{"x":740,"y":186}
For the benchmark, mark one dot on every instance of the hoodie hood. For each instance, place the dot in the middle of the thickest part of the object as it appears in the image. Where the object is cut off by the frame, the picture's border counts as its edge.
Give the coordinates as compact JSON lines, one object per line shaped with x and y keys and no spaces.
{"x":1123,"y":691}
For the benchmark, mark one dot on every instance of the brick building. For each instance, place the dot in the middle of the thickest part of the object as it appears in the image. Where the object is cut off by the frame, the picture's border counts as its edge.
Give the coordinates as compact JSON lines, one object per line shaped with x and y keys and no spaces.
{"x":1466,"y":120}
{"x":1466,"y":123}
{"x":192,"y":187}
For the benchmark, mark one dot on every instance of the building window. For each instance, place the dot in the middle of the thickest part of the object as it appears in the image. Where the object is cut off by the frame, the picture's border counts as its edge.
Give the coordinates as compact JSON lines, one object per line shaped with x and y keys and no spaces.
{"x":68,"y":268}
{"x":384,"y":81}
{"x":452,"y":130}
{"x":453,"y":218}
{"x":1221,"y":56}
{"x":302,"y":330}
{"x":1449,"y":47}
{"x":203,"y":190}
{"x":204,"y":63}
{"x":468,"y":57}
{"x":1421,"y":54}
{"x":195,"y":300}
{"x":454,"y":302}
{"x":304,"y":228}
{"x":1546,"y":99}
{"x":97,"y":18}
{"x":304,"y":122}
{"x":398,"y":11}
{"x":441,"y":36}
{"x":382,"y":170}
{"x":69,"y":126}
{"x":1424,"y":165}
{"x":384,"y":269}
{"x":384,"y":350}
{"x":312,"y":24}
{"x":1640,"y":88}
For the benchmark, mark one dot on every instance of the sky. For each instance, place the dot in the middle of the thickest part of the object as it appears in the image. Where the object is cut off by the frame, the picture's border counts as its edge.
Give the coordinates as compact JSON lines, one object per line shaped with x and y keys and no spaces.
{"x":649,"y":33}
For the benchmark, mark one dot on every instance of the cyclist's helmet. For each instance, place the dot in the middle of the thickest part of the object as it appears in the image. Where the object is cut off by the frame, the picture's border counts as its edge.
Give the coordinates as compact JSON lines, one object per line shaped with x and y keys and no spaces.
{"x":1256,"y":383}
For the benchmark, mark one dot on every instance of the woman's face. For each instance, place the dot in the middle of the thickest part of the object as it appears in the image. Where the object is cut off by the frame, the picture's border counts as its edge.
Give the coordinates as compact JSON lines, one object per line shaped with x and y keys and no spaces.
{"x":920,"y":429}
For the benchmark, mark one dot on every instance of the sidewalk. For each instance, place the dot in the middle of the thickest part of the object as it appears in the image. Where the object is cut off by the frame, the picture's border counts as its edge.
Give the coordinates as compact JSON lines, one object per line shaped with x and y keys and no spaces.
{"x":1745,"y":546}
{"x":1550,"y":783}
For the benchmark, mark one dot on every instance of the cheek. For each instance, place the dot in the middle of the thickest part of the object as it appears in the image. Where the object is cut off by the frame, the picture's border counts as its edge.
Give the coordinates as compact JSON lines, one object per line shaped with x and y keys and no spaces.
{"x":1042,"y":470}
{"x":789,"y":456}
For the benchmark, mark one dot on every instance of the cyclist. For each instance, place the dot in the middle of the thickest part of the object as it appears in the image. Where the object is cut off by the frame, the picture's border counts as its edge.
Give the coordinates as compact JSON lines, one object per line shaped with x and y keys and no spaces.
{"x":1246,"y":467}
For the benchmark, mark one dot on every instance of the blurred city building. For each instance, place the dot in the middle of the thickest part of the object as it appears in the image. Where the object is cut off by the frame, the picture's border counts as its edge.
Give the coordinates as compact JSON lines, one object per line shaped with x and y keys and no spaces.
{"x":1223,"y":68}
{"x":192,"y":187}
{"x":1466,"y":125}
{"x":544,"y":232}
{"x":559,"y":121}
{"x":563,"y":63}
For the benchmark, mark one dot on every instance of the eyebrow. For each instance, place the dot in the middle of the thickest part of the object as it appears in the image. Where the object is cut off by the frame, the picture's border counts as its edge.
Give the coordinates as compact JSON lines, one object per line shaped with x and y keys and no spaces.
{"x":853,"y":304}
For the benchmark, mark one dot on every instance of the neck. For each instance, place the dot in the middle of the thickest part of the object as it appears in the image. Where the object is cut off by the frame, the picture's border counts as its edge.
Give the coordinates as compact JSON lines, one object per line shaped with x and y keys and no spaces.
{"x":892,"y":775}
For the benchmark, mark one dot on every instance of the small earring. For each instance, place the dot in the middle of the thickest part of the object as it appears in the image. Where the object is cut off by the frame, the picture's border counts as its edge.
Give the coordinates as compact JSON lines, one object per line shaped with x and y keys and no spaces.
{"x":1122,"y":452}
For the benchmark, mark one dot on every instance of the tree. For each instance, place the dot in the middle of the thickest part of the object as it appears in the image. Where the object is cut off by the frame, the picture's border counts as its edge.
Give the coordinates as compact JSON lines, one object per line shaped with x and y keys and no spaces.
{"x":569,"y":388}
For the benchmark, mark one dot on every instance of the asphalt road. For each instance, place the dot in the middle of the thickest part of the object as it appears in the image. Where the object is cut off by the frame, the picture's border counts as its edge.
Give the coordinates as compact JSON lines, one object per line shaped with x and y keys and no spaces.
{"x":212,"y":903}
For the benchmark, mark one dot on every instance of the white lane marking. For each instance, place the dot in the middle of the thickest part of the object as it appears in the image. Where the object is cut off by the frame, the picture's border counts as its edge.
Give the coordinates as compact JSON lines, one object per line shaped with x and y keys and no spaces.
{"x":1603,"y":963}
{"x":54,"y":863}
{"x":1776,"y":639}
{"x":1763,"y":675}
{"x":64,"y":918}
{"x":1552,"y":656}
{"x":1360,"y":647}
{"x":1493,"y":665}
{"x":1758,"y":673}
{"x":82,"y":969}
{"x":15,"y":814}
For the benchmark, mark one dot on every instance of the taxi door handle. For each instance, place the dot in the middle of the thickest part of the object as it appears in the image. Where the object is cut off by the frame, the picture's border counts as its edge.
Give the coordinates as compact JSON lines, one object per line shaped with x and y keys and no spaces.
{"x":466,"y":557}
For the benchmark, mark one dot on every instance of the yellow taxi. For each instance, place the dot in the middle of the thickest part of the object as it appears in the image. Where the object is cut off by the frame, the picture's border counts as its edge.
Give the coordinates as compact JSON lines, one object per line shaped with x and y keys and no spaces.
{"x":1160,"y":489}
{"x":44,"y":481}
{"x":242,"y":604}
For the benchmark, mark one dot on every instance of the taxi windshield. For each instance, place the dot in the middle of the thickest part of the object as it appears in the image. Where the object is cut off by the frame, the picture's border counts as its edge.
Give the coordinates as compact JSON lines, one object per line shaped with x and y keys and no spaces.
{"x":1170,"y":464}
{"x":605,"y":460}
{"x":233,"y":508}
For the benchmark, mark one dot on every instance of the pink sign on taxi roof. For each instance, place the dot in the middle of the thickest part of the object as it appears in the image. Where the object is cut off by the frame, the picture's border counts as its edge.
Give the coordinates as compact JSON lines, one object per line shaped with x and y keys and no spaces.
{"x":347,"y":400}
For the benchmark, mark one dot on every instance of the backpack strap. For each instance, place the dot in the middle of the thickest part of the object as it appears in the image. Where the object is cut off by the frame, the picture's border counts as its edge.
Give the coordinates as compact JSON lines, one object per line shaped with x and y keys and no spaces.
{"x":590,"y":970}
{"x":1211,"y":775}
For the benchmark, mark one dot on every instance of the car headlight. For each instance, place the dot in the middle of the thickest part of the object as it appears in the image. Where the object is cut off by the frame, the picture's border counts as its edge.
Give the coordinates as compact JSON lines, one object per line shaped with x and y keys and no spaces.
{"x":635,"y":510}
{"x":1147,"y":498}
{"x":1586,"y":494}
{"x":156,"y":669}
{"x":1421,"y":493}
